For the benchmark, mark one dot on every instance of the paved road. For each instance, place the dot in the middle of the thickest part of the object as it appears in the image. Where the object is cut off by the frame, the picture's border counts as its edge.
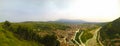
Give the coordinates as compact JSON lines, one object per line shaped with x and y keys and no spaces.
{"x":75,"y":36}
{"x":90,"y":42}
{"x":99,"y":39}
{"x":93,"y":41}
{"x":82,"y":44}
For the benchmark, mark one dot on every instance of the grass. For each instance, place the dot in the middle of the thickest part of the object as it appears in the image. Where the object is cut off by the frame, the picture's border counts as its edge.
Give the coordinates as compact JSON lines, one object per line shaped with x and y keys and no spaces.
{"x":7,"y":38}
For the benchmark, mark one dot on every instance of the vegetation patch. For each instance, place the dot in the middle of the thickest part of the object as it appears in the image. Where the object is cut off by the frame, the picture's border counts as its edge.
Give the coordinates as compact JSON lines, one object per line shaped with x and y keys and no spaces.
{"x":86,"y":36}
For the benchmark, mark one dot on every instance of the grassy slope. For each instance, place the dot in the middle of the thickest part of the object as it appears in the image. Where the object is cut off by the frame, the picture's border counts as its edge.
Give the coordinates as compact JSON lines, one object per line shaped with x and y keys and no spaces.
{"x":8,"y":39}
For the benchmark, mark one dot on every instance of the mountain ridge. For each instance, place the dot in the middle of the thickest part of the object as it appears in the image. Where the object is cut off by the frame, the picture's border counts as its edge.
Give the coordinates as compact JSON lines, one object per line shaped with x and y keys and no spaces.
{"x":71,"y":21}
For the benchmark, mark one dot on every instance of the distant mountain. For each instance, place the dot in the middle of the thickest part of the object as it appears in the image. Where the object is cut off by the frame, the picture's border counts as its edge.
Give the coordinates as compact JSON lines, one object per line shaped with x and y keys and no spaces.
{"x":71,"y":21}
{"x":66,"y":21}
{"x":110,"y":33}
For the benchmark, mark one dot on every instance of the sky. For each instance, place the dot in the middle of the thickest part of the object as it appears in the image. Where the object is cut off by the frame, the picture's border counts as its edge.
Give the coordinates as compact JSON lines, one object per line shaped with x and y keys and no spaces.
{"x":50,"y":10}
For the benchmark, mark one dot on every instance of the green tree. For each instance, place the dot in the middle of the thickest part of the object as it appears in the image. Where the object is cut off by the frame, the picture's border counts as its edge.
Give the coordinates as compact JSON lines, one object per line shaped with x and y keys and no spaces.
{"x":6,"y":24}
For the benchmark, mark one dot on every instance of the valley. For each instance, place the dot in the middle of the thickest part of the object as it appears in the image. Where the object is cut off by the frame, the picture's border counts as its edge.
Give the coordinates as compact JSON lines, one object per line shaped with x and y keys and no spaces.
{"x":56,"y":34}
{"x":59,"y":22}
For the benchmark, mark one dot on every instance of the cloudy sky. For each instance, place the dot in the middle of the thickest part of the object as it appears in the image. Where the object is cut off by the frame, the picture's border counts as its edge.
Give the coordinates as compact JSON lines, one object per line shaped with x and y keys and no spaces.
{"x":47,"y":10}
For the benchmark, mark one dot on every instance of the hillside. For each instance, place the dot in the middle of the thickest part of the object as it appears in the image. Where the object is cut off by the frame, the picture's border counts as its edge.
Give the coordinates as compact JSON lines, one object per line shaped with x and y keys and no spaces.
{"x":110,"y":33}
{"x":30,"y":33}
{"x":8,"y":38}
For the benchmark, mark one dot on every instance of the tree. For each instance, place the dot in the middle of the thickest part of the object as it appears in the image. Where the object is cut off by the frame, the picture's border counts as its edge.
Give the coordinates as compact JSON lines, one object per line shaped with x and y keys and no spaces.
{"x":6,"y":24}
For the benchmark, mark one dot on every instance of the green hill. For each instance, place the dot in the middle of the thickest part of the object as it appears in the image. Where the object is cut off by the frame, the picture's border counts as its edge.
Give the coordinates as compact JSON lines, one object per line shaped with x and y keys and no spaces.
{"x":30,"y":33}
{"x":7,"y":38}
{"x":110,"y":33}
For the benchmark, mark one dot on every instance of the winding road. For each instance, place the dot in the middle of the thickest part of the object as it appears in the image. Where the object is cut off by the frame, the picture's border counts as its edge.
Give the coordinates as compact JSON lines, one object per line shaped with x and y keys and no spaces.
{"x":89,"y":42}
{"x":81,"y":43}
{"x":93,"y":40}
{"x":75,"y":36}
